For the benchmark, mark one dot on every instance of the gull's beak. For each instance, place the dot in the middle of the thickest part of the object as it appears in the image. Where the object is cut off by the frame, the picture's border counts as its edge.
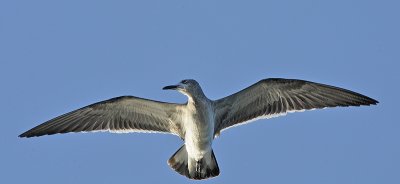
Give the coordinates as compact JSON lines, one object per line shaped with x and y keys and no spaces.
{"x":173,"y":87}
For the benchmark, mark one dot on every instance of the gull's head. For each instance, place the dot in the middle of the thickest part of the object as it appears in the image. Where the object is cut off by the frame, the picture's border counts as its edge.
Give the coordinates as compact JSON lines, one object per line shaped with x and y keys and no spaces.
{"x":188,"y":87}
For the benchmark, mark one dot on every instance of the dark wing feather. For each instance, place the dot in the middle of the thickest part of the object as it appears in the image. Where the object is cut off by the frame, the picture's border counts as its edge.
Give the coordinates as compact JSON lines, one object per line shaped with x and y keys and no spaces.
{"x":273,"y":97}
{"x":118,"y":115}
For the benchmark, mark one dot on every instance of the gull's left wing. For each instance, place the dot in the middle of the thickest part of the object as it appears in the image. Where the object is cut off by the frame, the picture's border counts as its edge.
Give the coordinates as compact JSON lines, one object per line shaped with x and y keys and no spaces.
{"x":274,"y":97}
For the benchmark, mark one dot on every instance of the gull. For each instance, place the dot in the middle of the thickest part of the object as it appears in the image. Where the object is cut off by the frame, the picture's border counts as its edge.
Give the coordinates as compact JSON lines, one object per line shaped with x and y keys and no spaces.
{"x":200,"y":120}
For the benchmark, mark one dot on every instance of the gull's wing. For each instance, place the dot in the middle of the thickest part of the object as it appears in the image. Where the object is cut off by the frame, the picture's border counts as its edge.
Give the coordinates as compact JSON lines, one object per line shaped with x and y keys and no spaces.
{"x":273,"y":97}
{"x":118,"y":115}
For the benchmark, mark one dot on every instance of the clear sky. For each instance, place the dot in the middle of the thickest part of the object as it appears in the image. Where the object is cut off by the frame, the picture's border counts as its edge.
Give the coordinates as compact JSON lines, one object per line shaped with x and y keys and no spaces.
{"x":56,"y":56}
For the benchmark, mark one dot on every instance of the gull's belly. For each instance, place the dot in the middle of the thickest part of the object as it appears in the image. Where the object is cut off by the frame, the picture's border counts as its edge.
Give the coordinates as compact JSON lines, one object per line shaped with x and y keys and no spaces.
{"x":199,"y":136}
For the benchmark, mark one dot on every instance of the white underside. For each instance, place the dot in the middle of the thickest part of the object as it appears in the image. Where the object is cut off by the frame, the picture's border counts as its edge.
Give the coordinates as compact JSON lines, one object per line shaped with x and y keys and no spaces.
{"x":266,"y":117}
{"x":125,"y":131}
{"x":198,"y":135}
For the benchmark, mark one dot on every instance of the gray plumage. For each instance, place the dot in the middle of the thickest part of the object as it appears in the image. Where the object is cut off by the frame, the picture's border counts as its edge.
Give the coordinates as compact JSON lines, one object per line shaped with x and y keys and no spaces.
{"x":118,"y":115}
{"x":200,"y":120}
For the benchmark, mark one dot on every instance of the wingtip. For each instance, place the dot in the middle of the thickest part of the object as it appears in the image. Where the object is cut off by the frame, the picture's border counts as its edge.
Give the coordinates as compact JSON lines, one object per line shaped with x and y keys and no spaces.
{"x":23,"y":135}
{"x":27,"y":135}
{"x":373,"y":101}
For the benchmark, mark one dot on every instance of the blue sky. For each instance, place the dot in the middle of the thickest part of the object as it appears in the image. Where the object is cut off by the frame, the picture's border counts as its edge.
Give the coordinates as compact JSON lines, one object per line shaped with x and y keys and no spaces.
{"x":57,"y":56}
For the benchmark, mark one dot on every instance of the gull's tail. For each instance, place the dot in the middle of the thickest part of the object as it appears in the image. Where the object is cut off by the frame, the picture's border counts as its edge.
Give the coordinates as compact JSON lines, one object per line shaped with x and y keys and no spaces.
{"x":204,"y":168}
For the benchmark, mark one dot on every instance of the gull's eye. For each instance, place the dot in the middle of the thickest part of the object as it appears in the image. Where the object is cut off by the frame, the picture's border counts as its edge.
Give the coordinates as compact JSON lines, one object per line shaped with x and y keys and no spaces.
{"x":184,"y":81}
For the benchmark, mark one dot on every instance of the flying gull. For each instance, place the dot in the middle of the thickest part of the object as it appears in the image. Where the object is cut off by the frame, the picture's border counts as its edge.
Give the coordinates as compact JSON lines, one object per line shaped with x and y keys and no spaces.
{"x":200,"y":120}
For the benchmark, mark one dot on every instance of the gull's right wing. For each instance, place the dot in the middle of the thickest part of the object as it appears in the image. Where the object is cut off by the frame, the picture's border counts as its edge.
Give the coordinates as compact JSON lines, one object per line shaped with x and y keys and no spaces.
{"x":117,"y":115}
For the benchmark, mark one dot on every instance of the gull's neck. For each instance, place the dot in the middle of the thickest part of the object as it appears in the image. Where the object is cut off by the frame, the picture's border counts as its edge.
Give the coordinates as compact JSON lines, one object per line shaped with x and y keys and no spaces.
{"x":198,"y":99}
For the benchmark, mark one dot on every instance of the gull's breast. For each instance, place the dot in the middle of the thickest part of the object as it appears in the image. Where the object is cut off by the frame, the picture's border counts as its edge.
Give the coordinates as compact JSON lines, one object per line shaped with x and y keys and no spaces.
{"x":199,"y":128}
